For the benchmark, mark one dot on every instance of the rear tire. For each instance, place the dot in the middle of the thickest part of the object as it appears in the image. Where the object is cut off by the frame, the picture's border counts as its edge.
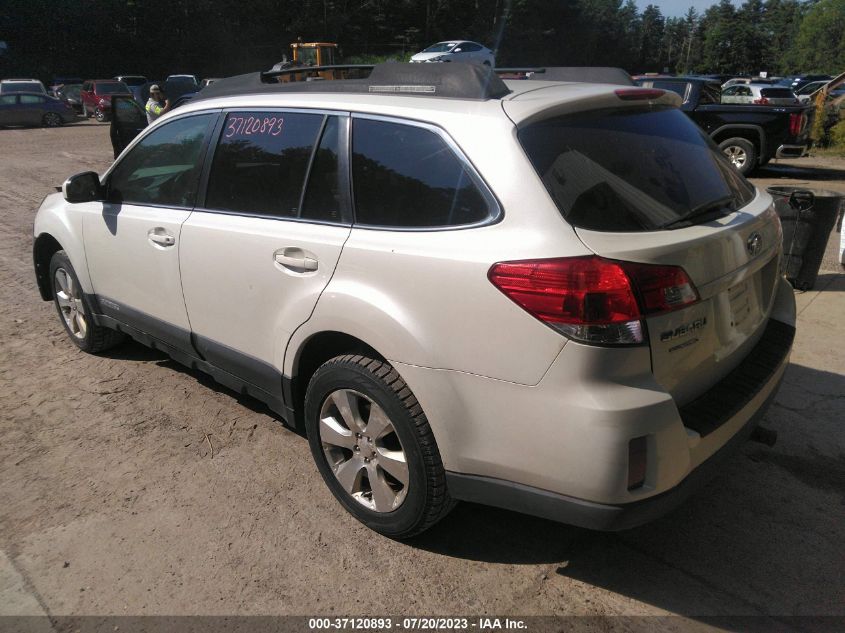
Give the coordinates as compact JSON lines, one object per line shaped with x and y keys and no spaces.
{"x":74,"y":311}
{"x":374,"y":447}
{"x":741,"y":153}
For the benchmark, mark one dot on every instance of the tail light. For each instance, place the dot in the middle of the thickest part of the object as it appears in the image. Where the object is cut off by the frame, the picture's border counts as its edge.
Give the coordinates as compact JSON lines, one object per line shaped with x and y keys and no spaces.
{"x":592,"y":299}
{"x":796,"y":123}
{"x":761,"y":101}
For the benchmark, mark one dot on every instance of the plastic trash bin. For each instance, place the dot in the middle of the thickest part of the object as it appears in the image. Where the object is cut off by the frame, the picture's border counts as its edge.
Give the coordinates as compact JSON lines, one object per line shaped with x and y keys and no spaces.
{"x":807,"y":216}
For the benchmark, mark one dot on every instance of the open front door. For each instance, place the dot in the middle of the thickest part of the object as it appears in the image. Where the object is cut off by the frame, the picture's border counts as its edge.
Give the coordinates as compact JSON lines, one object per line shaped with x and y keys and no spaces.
{"x":128,"y":119}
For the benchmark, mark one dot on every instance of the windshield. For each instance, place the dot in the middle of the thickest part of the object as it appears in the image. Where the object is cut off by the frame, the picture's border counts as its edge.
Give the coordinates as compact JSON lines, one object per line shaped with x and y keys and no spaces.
{"x":441,"y":47}
{"x":71,"y":91}
{"x":134,"y":81}
{"x":626,"y":171}
{"x":114,"y":88}
{"x":307,"y":56}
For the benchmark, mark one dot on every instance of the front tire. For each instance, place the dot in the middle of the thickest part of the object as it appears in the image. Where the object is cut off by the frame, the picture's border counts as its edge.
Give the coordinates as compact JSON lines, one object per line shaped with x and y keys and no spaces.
{"x":100,"y":115}
{"x":374,"y":447}
{"x":51,"y":119}
{"x":741,"y":153}
{"x":74,"y":311}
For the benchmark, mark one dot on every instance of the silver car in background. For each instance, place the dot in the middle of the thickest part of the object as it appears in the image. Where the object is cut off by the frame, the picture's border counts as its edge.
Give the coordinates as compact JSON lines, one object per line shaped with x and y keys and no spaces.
{"x":759,"y":94}
{"x":456,"y":51}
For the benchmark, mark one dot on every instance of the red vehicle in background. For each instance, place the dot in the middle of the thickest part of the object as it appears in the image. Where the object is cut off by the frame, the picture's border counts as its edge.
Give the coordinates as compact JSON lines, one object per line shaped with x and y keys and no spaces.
{"x":96,"y":97}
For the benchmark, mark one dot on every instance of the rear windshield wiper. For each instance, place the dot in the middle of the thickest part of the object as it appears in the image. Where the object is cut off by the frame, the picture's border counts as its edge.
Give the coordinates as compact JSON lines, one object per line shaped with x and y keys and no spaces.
{"x":708,"y":208}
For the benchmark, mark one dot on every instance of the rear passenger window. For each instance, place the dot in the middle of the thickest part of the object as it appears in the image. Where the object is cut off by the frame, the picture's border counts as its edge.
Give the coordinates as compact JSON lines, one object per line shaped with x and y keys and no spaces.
{"x":406,"y":176}
{"x":322,"y":196}
{"x":260,"y":162}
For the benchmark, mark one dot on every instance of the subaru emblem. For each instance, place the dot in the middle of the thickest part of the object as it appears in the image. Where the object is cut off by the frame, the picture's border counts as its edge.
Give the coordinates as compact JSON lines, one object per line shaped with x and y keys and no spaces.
{"x":754,"y":244}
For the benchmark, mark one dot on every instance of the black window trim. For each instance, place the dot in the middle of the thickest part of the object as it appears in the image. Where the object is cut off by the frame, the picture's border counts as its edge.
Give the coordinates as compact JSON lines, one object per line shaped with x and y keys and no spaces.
{"x":344,"y":147}
{"x":495,"y":212}
{"x":149,"y":130}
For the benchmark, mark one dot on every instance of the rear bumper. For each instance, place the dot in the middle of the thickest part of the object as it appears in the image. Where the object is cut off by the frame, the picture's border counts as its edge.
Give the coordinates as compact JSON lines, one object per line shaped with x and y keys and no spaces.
{"x":560,"y":449}
{"x":727,"y":400}
{"x":791,"y":151}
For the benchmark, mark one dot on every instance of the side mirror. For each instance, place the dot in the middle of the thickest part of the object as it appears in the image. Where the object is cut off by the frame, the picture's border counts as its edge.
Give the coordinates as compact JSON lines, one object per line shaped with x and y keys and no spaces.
{"x":84,"y":187}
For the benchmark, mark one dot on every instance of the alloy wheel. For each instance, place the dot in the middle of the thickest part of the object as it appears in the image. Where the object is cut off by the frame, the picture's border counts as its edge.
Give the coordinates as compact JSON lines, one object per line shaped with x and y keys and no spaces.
{"x":736,"y":155}
{"x":70,"y":303}
{"x":51,"y":119}
{"x":363,"y":450}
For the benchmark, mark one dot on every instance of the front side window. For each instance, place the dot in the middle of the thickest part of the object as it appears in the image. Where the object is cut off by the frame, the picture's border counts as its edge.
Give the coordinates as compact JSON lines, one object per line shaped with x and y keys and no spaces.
{"x":7,"y":100}
{"x":406,"y":176}
{"x":260,"y":163}
{"x":163,"y":168}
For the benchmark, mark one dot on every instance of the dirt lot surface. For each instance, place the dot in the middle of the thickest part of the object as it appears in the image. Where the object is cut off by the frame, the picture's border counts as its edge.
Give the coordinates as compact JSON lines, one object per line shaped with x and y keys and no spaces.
{"x":111,"y":502}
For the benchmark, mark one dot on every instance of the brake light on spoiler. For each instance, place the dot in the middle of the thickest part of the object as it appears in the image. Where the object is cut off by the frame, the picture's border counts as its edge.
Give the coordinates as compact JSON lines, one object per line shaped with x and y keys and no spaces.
{"x":592,"y":299}
{"x":639,"y":94}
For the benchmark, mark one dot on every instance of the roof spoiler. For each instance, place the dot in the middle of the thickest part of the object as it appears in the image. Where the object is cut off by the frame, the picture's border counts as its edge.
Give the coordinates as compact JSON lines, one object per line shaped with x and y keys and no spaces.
{"x":579,"y":74}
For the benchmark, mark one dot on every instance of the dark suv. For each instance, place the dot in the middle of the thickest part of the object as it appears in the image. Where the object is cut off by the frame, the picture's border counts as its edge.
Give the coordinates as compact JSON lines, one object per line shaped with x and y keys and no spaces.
{"x":96,"y":97}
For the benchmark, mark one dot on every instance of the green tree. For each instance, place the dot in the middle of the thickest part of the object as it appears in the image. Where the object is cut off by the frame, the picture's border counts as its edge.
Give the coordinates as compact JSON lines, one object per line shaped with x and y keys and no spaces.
{"x":718,"y":51}
{"x":651,"y":39}
{"x":820,"y":44}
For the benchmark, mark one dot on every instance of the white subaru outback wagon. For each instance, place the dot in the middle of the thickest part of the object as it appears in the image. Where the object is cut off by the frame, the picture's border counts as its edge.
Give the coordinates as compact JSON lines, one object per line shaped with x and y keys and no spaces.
{"x":549,"y":296}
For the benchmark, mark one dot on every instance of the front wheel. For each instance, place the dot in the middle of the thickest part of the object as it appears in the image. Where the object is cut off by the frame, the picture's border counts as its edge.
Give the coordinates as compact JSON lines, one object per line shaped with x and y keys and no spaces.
{"x":741,"y":153}
{"x":74,"y":310}
{"x":51,"y":119}
{"x":374,"y":447}
{"x":100,"y":115}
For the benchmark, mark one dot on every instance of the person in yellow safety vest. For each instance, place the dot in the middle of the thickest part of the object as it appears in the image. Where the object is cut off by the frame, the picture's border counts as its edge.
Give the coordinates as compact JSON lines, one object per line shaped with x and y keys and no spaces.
{"x":157,"y":104}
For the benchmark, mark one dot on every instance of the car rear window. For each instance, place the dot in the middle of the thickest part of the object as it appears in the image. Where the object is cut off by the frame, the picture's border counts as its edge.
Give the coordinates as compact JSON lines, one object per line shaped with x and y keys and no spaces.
{"x":777,"y":93}
{"x":112,"y":88}
{"x":680,"y":88}
{"x":628,"y":171}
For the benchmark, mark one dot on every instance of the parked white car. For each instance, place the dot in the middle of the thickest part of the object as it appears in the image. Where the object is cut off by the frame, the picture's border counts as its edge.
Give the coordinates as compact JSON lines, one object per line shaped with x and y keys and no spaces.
{"x":552,"y":297}
{"x":759,"y":94}
{"x":456,"y":51}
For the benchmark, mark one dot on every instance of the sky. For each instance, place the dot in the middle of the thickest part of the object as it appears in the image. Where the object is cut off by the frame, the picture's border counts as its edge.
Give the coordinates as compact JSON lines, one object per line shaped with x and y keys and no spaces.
{"x":675,"y":8}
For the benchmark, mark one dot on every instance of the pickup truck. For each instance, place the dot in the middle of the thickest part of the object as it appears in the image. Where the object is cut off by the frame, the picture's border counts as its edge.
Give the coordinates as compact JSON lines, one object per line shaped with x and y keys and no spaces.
{"x":750,"y":135}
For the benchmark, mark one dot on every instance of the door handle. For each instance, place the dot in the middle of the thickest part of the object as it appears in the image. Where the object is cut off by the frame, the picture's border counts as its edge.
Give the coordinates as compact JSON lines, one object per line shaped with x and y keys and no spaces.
{"x":161,"y":237}
{"x":295,"y":259}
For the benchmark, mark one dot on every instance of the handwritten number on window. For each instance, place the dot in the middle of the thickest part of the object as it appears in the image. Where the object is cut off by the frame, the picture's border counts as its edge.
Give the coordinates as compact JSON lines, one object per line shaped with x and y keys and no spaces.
{"x":254,"y":126}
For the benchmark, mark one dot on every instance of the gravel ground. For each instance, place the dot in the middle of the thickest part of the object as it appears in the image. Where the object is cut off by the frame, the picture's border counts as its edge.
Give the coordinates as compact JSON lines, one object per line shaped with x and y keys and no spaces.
{"x":111,"y":502}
